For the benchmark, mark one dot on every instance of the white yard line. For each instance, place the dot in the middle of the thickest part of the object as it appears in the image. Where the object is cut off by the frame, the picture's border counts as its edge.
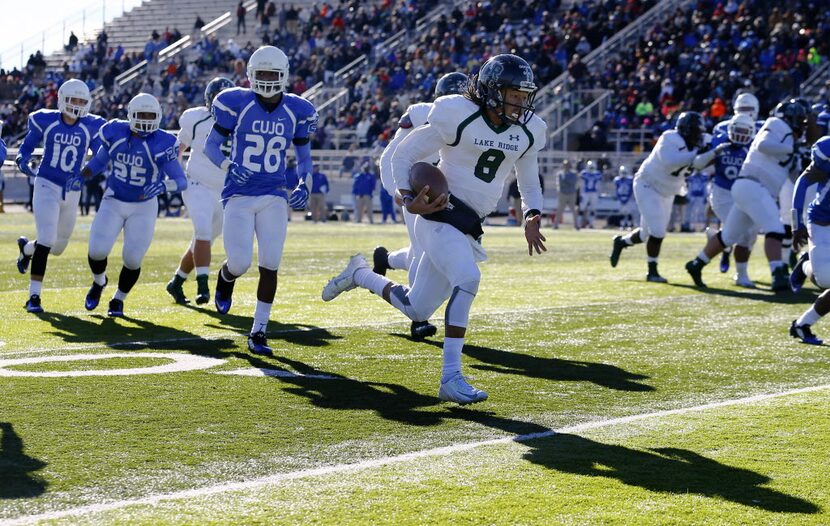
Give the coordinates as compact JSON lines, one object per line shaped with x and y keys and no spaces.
{"x":231,"y":333}
{"x":379,"y":462}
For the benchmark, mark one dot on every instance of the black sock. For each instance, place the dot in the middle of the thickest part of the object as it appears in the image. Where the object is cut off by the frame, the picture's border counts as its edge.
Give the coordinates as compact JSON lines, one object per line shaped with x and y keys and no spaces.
{"x":224,"y":287}
{"x":98,"y":266}
{"x":652,"y":268}
{"x":39,"y":259}
{"x":128,"y":278}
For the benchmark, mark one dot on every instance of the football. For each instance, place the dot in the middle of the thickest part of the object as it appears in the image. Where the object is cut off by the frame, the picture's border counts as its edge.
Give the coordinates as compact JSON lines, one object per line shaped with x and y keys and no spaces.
{"x":423,"y":174}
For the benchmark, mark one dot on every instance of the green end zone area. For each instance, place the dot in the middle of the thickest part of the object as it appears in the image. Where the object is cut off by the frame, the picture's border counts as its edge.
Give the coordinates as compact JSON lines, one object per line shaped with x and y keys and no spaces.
{"x":557,"y":341}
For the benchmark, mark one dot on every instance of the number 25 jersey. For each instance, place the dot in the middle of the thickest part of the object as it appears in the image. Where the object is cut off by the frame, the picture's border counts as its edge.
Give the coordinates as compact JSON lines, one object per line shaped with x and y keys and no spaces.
{"x":259,"y":138}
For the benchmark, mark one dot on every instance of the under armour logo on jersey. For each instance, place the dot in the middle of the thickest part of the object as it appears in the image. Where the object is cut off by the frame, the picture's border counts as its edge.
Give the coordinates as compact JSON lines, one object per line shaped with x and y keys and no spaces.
{"x":514,"y":137}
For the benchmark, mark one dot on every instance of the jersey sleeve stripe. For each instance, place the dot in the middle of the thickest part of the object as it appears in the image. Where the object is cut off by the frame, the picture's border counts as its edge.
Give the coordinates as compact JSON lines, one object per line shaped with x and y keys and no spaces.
{"x":193,"y":133}
{"x":530,"y":138}
{"x":466,"y":122}
{"x":291,"y":116}
{"x":224,"y":108}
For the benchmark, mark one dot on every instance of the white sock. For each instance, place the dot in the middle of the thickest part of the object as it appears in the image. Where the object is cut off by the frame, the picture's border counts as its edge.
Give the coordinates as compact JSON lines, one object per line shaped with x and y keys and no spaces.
{"x":34,"y":287}
{"x":650,"y":259}
{"x":807,"y":267}
{"x":810,"y":317}
{"x":452,"y":357}
{"x":100,"y":279}
{"x":202,"y":271}
{"x":29,"y":248}
{"x":261,"y":316}
{"x":742,"y":269}
{"x":775,"y":264}
{"x":703,"y":257}
{"x":367,"y":279}
{"x":120,"y":295}
{"x":181,"y":273}
{"x":399,"y":258}
{"x":627,"y":240}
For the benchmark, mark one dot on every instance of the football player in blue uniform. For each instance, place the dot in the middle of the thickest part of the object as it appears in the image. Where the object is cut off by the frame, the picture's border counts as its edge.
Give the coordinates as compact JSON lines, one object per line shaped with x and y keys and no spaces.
{"x":822,"y":111}
{"x":144,"y":163}
{"x":262,"y":122}
{"x":816,"y":263}
{"x":66,"y":135}
{"x":624,"y":190}
{"x":591,"y":176}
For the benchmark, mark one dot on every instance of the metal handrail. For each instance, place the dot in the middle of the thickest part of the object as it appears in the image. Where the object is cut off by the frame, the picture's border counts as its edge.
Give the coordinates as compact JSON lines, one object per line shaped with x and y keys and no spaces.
{"x":561,"y":131}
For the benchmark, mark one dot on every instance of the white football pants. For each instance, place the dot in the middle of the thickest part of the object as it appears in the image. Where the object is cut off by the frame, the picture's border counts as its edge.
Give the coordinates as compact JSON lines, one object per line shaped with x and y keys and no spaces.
{"x":265,"y":216}
{"x":54,"y":215}
{"x":655,"y":210}
{"x":754,"y":209}
{"x":138,"y":220}
{"x":204,"y":206}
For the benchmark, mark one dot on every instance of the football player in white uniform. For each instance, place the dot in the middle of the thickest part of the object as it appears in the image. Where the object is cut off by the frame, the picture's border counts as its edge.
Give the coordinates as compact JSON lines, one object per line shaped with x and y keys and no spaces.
{"x":67,"y":134}
{"x":203,"y":196}
{"x":658,"y":180}
{"x":481,"y":137}
{"x":768,"y":164}
{"x":416,"y":115}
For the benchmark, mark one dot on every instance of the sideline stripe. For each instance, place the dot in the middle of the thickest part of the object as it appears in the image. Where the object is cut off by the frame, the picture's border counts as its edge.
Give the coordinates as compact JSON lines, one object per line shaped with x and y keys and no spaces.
{"x":379,"y":462}
{"x":234,"y":334}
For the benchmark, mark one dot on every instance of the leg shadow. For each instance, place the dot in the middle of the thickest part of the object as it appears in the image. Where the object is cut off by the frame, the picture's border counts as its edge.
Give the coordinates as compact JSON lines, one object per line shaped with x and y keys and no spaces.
{"x":667,"y":470}
{"x":17,"y":480}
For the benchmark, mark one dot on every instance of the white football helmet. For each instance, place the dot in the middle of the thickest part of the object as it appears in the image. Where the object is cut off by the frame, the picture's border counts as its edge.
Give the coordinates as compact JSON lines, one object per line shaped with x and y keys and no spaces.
{"x":741,"y":129}
{"x":268,"y":58}
{"x":74,"y":89}
{"x":144,"y":103}
{"x":623,"y":171}
{"x":747,"y":104}
{"x":589,"y":166}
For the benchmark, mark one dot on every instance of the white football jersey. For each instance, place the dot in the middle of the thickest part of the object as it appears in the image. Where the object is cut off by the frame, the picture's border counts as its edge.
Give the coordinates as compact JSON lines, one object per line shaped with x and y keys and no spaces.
{"x":416,"y":115}
{"x":665,"y":167}
{"x":770,"y":170}
{"x":477,"y":157}
{"x":196,"y":124}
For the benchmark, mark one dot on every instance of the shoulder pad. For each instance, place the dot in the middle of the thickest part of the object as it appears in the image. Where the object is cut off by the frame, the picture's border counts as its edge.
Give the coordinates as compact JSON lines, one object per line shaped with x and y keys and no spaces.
{"x":448,"y":113}
{"x":419,"y":113}
{"x":405,"y":122}
{"x":164,"y":145}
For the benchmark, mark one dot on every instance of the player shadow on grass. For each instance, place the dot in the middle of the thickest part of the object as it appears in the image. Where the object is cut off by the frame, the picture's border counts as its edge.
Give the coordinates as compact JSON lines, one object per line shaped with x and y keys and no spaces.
{"x":17,"y":480}
{"x":668,"y":470}
{"x":762,"y":294}
{"x":294,"y":333}
{"x":499,"y":361}
{"x":389,"y":401}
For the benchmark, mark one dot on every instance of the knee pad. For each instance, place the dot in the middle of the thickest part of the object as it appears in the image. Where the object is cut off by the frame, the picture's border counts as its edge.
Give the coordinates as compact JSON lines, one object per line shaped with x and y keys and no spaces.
{"x":458,"y":307}
{"x":397,"y":296}
{"x":39,"y":258}
{"x":98,"y":266}
{"x":774,"y":235}
{"x":59,"y":247}
{"x":128,"y":278}
{"x":238,"y":266}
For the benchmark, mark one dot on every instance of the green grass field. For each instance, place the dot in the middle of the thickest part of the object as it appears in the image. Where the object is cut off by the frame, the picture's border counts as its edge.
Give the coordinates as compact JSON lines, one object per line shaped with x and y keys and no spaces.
{"x":346,"y":428}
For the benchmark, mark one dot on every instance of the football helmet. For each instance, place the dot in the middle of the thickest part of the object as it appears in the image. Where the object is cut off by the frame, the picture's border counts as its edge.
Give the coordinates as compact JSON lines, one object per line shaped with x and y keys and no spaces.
{"x":138,"y":107}
{"x":741,"y":129}
{"x":502,"y":72}
{"x":690,"y":126}
{"x":268,"y":59}
{"x":623,"y":171}
{"x":451,"y":84}
{"x":793,"y":113}
{"x":74,"y":89}
{"x":214,"y":87}
{"x":747,"y":104}
{"x":589,"y":166}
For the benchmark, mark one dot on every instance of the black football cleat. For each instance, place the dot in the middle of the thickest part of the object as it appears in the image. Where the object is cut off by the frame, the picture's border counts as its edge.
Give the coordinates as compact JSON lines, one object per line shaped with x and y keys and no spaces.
{"x":804,"y":333}
{"x":695,"y":270}
{"x":616,"y":250}
{"x":116,"y":309}
{"x":22,"y":259}
{"x":724,"y":262}
{"x":421,"y":330}
{"x":380,"y":261}
{"x":174,"y":288}
{"x":798,"y":277}
{"x":202,"y":290}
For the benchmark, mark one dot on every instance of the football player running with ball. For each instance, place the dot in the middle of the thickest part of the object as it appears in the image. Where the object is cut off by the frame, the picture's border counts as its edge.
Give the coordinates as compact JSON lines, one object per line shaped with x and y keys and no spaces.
{"x":203,"y":195}
{"x":262,"y":122}
{"x":658,"y":180}
{"x":383,"y":260}
{"x":481,"y":137}
{"x":139,"y":155}
{"x":66,"y":135}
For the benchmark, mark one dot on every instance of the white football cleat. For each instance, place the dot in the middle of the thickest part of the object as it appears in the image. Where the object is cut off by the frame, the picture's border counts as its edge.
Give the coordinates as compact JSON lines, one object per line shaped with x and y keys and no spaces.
{"x":345,"y":280}
{"x":745,"y":282}
{"x":456,"y":389}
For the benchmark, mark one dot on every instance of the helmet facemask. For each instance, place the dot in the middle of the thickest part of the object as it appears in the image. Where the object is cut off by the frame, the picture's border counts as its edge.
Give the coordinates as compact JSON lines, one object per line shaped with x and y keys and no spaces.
{"x":741,"y":129}
{"x":74,"y":107}
{"x":275,"y":82}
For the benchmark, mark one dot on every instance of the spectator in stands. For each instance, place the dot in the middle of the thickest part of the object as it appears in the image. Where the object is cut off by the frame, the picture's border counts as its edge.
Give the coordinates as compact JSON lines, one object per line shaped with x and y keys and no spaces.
{"x":73,"y":42}
{"x":349,"y":161}
{"x":363,"y":188}
{"x":199,"y":24}
{"x":319,"y":189}
{"x":568,"y":183}
{"x":240,"y":18}
{"x":260,"y":8}
{"x":387,"y":206}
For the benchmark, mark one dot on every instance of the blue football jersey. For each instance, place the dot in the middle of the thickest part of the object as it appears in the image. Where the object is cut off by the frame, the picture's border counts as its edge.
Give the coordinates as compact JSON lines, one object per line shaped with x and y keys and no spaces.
{"x":259,"y":138}
{"x":590,"y":181}
{"x":624,"y":187}
{"x":728,"y":165}
{"x":823,"y":122}
{"x":64,"y":146}
{"x":2,"y":151}
{"x":819,"y":209}
{"x":696,"y":184}
{"x":137,"y":162}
